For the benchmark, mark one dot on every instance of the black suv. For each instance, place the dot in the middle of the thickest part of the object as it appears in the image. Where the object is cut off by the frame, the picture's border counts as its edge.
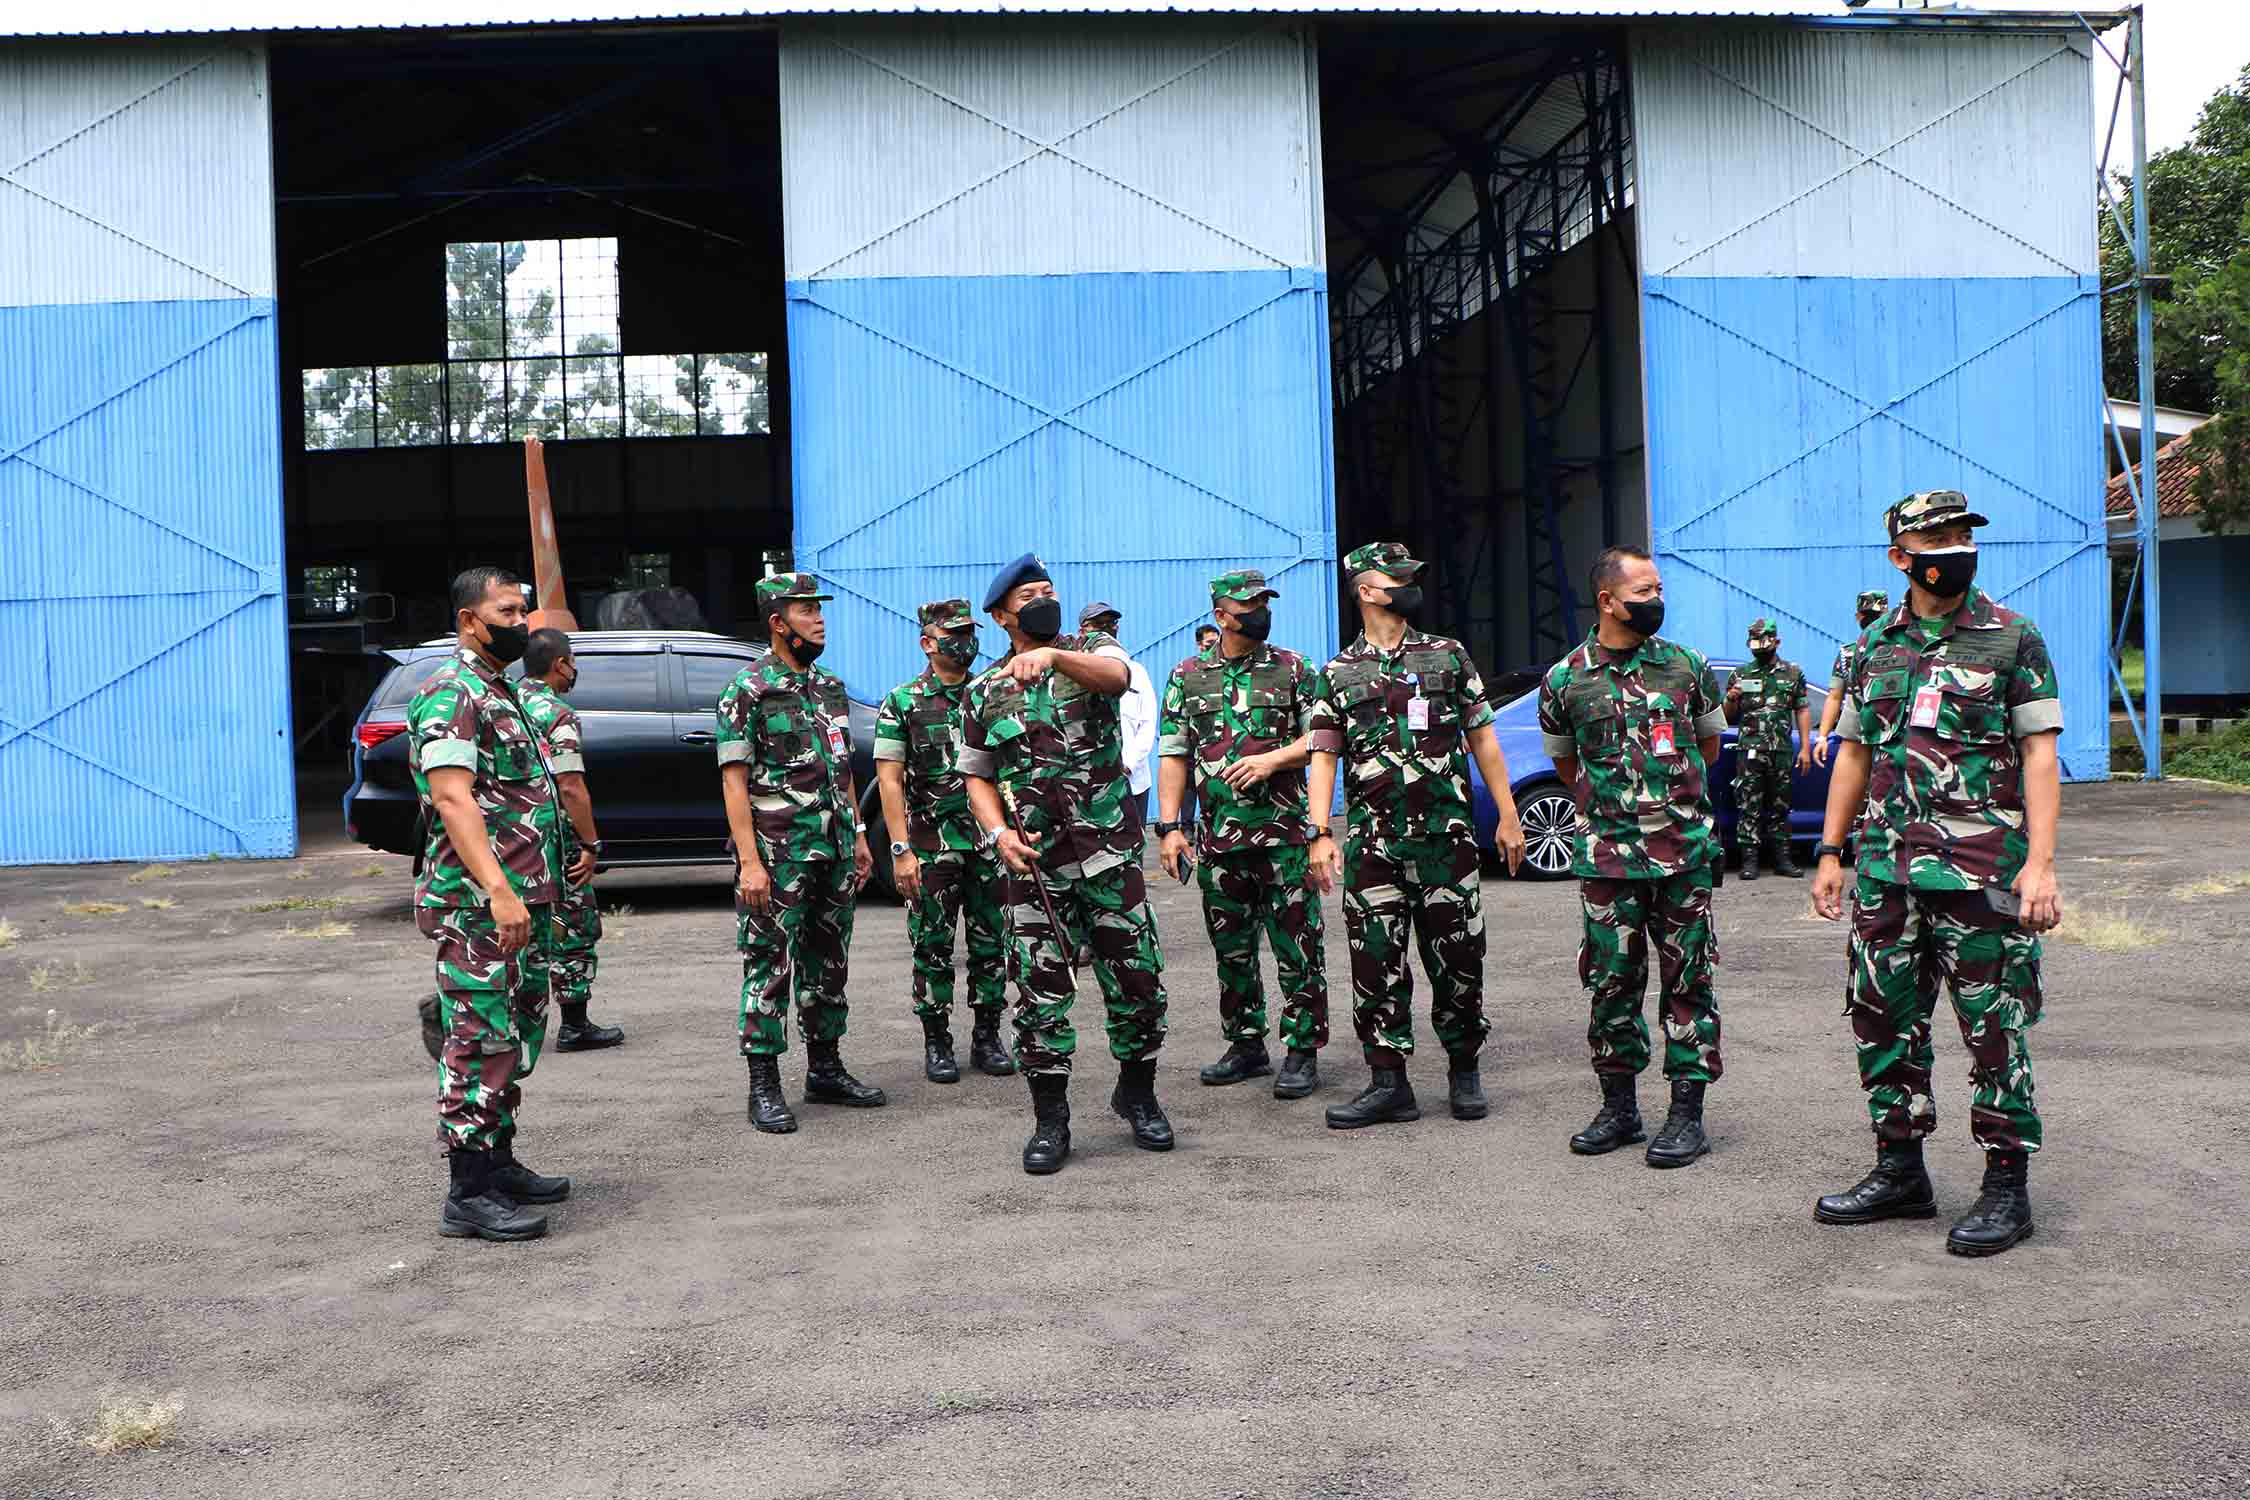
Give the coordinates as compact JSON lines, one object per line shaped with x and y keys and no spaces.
{"x":646,"y":699}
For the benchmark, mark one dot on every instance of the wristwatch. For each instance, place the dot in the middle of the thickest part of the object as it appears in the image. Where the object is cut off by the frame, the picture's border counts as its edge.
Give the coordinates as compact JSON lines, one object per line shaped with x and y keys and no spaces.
{"x":898,"y":848}
{"x":1165,"y":830}
{"x":988,"y":838}
{"x":1822,"y":851}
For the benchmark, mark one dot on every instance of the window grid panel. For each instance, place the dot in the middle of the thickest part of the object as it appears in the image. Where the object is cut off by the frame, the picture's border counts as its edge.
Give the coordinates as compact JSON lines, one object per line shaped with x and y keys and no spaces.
{"x":660,"y":395}
{"x":409,"y":406}
{"x":340,"y":408}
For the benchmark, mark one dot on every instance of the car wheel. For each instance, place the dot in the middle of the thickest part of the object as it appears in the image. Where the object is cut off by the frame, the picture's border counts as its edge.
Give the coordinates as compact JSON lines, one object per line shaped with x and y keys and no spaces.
{"x":1550,"y":830}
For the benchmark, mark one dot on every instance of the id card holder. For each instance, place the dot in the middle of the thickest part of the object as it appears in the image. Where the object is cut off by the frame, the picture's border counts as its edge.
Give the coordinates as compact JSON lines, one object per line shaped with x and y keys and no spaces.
{"x":1926,"y":701}
{"x":1660,"y":738}
{"x":836,"y":744}
{"x":1417,"y":713}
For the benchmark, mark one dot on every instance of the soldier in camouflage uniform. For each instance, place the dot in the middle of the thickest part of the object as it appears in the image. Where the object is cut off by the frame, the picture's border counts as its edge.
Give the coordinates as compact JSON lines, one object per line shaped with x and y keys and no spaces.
{"x":1404,"y":711}
{"x":489,"y":877}
{"x":1766,"y":698}
{"x":1871,"y":606}
{"x":550,"y":671}
{"x":1045,"y":770}
{"x":1633,"y":723}
{"x":945,"y":878}
{"x":785,"y":769}
{"x":1950,"y":724}
{"x":1235,"y":719}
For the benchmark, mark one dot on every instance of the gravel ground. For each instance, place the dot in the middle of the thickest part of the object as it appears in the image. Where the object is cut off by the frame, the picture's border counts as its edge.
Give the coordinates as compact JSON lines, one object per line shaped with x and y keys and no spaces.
{"x":223,"y":1187}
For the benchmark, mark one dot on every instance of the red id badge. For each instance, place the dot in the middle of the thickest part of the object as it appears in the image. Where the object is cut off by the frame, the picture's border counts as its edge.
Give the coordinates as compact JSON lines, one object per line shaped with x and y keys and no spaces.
{"x":1926,"y":701}
{"x":1418,"y":713}
{"x":835,"y":739}
{"x":1660,"y":738}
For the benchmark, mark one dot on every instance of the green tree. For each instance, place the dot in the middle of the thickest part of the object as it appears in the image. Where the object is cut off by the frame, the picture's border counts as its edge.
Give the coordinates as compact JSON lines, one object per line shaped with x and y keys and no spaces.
{"x":2222,"y":445}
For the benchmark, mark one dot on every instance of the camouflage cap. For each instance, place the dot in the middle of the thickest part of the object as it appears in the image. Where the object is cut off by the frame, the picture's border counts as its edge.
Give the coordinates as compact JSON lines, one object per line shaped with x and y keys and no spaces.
{"x":1873,"y":599}
{"x":1381,"y":557}
{"x":1929,"y":508}
{"x":775,"y":591}
{"x":1762,"y":627}
{"x":1244,"y":586}
{"x":946,"y":614}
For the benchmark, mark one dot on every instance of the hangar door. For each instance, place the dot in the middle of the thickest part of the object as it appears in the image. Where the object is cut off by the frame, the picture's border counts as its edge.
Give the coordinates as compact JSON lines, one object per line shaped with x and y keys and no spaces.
{"x":1869,"y":269}
{"x":144,"y":699}
{"x":1056,"y":286}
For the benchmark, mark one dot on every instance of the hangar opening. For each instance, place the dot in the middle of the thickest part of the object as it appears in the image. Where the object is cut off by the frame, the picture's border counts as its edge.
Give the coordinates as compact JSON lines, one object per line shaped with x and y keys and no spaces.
{"x":1485,"y":316}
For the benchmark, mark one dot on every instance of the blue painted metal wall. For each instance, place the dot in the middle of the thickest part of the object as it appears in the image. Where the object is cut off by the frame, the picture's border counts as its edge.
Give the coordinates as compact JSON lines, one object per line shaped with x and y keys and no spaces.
{"x":1040,"y":321}
{"x":1869,"y":270}
{"x":144,"y":701}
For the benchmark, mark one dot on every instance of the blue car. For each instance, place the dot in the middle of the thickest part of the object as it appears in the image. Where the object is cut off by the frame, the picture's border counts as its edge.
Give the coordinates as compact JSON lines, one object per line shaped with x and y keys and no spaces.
{"x":1550,"y":813}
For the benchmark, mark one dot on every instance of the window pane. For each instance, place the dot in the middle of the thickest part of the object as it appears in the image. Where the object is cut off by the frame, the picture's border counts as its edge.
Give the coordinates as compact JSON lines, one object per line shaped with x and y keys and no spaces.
{"x":589,"y":294}
{"x":534,"y":279}
{"x":339,"y":408}
{"x":591,"y":397}
{"x":409,"y":405}
{"x":707,"y":677}
{"x":732,"y":396}
{"x":475,"y":284}
{"x":535,"y":404}
{"x":330,"y":589}
{"x":477,"y":391}
{"x":617,"y":680}
{"x":660,"y":395}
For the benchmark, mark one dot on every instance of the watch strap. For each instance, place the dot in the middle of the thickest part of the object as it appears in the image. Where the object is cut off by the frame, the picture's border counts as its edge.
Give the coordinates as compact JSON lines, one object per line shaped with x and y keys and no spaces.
{"x":1822,"y":851}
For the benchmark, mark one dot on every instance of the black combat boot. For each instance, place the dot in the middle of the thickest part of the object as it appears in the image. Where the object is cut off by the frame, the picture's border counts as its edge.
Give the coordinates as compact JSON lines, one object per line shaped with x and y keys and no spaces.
{"x":475,"y":1210}
{"x":518,"y":1181}
{"x":1784,"y":863}
{"x":581,"y":1035}
{"x":1681,"y":1140}
{"x":937,"y":1051}
{"x":1749,"y":861}
{"x":1387,"y":1099}
{"x":1618,"y":1122}
{"x":1898,"y":1188}
{"x":1299,"y":1075}
{"x":1464,"y":1088}
{"x":826,"y":1080}
{"x":986,"y":1051}
{"x":1049,"y":1146}
{"x":1134,"y":1100}
{"x":2002,"y":1214}
{"x":1241,"y":1062}
{"x":769,"y":1111}
{"x":433,"y":1027}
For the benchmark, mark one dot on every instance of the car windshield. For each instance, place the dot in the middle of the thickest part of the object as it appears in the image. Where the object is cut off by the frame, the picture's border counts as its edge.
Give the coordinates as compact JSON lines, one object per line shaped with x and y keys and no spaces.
{"x":406,"y":680}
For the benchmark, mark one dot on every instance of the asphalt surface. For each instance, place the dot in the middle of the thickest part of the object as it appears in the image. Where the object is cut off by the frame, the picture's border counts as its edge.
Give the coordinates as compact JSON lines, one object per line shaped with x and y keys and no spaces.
{"x":222,"y":1183}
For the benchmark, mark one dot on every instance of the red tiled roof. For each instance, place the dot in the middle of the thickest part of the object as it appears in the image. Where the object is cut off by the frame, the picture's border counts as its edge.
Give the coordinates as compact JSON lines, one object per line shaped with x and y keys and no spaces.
{"x":2175,"y":483}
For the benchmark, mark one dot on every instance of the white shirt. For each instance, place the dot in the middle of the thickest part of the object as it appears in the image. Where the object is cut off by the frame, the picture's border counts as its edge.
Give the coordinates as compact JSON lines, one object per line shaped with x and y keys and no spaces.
{"x":1136,"y":721}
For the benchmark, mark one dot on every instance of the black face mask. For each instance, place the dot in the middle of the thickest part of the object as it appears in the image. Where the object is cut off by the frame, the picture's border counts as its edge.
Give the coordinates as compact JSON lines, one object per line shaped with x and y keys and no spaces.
{"x":806,"y":652}
{"x":567,"y":687}
{"x":1765,"y":654}
{"x":1404,"y":601}
{"x":957,"y":650}
{"x":1041,"y":619}
{"x":1257,"y":624}
{"x":1869,"y":619}
{"x":1946,"y":573}
{"x":507,"y":643}
{"x":1643,"y":616}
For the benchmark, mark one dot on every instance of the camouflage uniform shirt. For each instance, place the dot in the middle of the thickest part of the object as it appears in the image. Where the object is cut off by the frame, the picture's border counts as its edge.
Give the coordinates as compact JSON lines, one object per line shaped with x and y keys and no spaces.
{"x":919,"y":725}
{"x":1218,"y":710}
{"x":1632,"y":720}
{"x":561,"y":734}
{"x":1942,"y":707}
{"x":1770,"y":698}
{"x":467,"y":716}
{"x":1401,"y":782}
{"x":1054,"y":751}
{"x":793,"y":731}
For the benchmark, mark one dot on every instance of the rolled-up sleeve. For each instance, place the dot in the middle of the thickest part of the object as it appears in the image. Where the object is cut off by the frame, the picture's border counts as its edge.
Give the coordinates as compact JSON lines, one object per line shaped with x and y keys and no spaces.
{"x":1554,"y":723}
{"x":1171,"y":734}
{"x":732,"y":719}
{"x":973,"y":755}
{"x":1847,"y":722}
{"x":2034,"y":697}
{"x":2039,"y":716}
{"x":564,"y":762}
{"x":890,"y":731}
{"x":438,"y":755}
{"x":1324,"y":727}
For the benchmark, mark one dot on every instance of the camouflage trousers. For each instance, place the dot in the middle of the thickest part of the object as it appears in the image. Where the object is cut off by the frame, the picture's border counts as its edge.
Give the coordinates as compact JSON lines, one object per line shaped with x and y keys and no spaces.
{"x":1432,"y":887}
{"x":799,"y":945}
{"x":959,"y":888}
{"x":494,"y":1019}
{"x":1622,"y":917}
{"x":1761,"y":794}
{"x":1905,"y":944}
{"x":1109,"y":912}
{"x":565,"y":969}
{"x":1263,"y":890}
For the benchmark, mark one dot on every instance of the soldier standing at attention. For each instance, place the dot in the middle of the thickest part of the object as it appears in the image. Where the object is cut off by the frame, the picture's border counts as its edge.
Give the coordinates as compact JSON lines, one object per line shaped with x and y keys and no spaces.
{"x":942,"y":874}
{"x":1404,"y":711}
{"x":490,"y":877}
{"x":1872,"y":606}
{"x":785,"y":769}
{"x":1633,"y":722}
{"x":1235,"y":720}
{"x":1764,"y":698}
{"x":1040,"y":751}
{"x":550,"y":671}
{"x":1949,"y":728}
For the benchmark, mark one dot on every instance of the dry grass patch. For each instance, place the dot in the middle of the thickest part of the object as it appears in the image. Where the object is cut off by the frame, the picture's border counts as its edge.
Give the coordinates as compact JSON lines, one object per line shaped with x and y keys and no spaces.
{"x":329,"y":929}
{"x":93,"y":908}
{"x":9,"y":934}
{"x":2214,"y":885}
{"x":158,"y":903}
{"x":46,"y":1047}
{"x":2108,"y":931}
{"x":127,"y":1426}
{"x":369,"y":872}
{"x":48,"y":977}
{"x":151,"y":872}
{"x":300,"y":903}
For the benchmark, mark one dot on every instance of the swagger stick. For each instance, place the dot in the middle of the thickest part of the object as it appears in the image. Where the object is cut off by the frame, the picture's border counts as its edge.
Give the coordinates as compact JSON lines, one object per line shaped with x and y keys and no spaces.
{"x":1046,"y":900}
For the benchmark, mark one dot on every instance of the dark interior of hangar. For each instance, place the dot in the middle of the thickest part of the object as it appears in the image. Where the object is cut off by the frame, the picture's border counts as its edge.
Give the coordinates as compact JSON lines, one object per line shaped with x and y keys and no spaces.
{"x":487,"y":236}
{"x":1483,"y":299}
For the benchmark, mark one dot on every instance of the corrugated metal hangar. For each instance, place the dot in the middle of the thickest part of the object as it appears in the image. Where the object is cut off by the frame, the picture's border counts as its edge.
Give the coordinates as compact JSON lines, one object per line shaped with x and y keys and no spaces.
{"x":1152,"y":290}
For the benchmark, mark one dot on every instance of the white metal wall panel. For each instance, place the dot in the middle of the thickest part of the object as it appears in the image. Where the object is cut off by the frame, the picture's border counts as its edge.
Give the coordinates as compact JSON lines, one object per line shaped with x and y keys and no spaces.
{"x":993,"y":148}
{"x":1804,"y":152}
{"x":134,"y":173}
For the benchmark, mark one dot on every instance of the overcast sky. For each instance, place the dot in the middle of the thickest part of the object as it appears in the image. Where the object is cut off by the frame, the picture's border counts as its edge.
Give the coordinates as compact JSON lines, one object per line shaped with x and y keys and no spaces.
{"x":2195,"y":48}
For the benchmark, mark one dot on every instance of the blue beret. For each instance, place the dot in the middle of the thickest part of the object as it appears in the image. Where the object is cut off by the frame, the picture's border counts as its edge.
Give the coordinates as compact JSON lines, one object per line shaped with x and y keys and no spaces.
{"x":1025,"y":569}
